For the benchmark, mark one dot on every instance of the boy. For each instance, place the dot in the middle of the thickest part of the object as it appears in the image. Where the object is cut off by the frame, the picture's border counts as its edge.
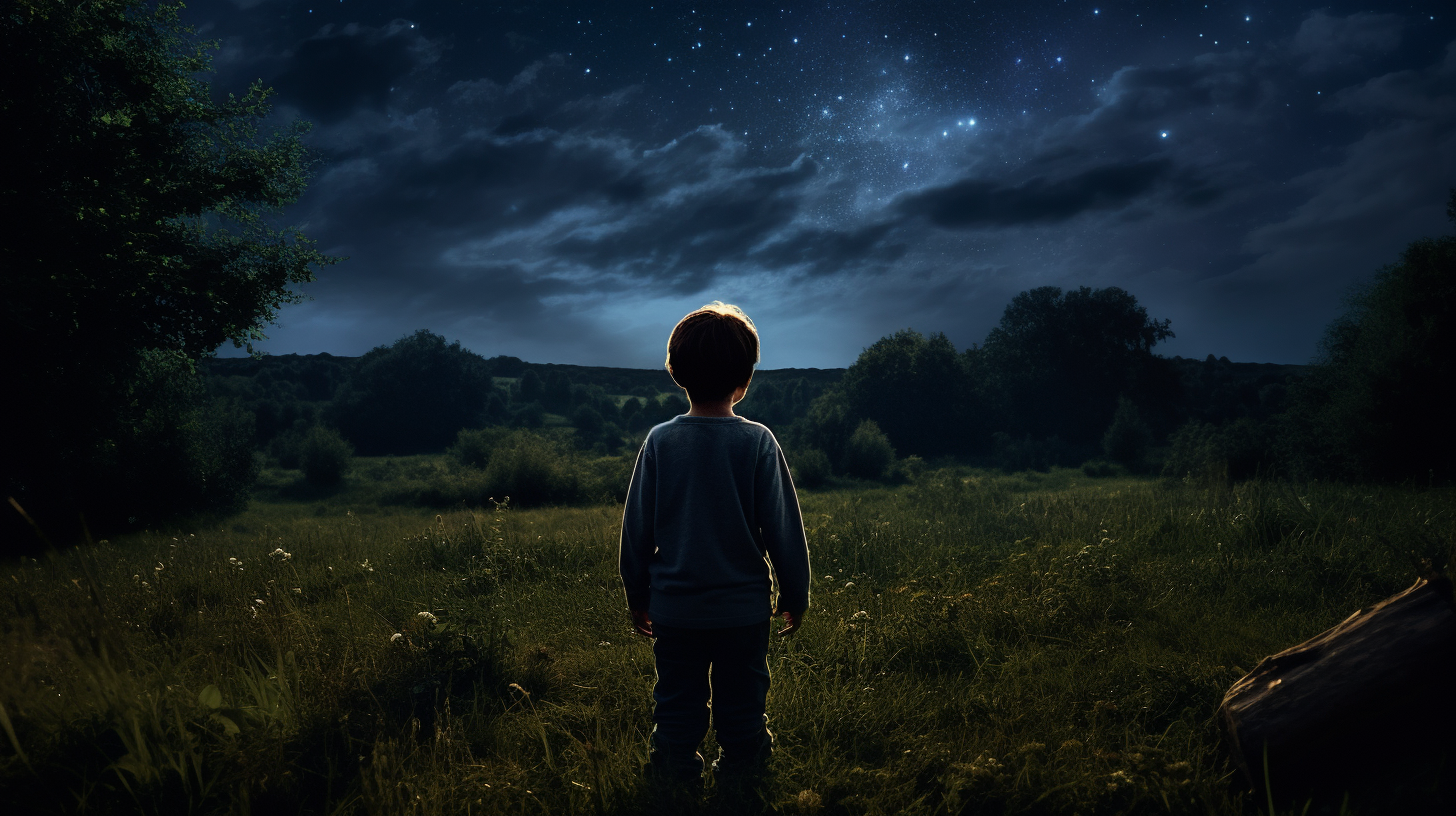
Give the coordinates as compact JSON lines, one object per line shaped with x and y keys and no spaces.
{"x":710,"y":498}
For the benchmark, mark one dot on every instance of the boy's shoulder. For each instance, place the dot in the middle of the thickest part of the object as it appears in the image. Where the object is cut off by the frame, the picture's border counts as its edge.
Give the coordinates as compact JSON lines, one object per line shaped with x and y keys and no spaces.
{"x":684,"y":426}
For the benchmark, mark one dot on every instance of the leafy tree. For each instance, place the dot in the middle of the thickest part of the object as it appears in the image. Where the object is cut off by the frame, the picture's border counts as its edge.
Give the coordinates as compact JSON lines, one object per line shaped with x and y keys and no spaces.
{"x":1057,"y":361}
{"x":137,"y":221}
{"x":1374,"y":405}
{"x":412,"y":396}
{"x":917,"y":389}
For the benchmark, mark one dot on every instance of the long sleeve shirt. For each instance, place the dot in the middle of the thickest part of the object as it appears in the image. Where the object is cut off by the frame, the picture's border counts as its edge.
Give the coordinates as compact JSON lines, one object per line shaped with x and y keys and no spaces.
{"x":711,"y":520}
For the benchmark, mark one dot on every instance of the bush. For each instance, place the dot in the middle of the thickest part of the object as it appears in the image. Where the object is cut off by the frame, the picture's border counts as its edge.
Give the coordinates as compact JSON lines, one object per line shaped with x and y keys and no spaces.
{"x":473,"y":446}
{"x":324,"y":456}
{"x":1128,"y":437}
{"x":810,"y":468}
{"x":1200,"y":453}
{"x":531,"y":469}
{"x":868,"y":454}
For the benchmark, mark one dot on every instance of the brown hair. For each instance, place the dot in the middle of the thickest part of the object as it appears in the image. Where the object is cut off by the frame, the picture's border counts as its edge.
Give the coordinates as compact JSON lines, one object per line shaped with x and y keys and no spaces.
{"x":712,"y":351}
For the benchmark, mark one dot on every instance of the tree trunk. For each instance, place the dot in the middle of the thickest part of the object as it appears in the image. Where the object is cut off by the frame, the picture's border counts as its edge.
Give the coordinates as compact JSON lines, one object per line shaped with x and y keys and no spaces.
{"x":1366,"y":695}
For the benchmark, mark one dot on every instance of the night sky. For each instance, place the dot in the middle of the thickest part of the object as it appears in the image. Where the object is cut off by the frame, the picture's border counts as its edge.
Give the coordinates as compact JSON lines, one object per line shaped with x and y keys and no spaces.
{"x":562,"y":182}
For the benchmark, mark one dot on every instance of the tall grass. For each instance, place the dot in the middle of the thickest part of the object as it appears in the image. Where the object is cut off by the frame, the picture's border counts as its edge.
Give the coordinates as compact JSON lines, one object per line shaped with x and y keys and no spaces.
{"x":1042,"y":643}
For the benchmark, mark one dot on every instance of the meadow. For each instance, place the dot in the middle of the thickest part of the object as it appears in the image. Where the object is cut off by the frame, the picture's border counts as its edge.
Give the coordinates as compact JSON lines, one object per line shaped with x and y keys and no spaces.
{"x":978,"y":643}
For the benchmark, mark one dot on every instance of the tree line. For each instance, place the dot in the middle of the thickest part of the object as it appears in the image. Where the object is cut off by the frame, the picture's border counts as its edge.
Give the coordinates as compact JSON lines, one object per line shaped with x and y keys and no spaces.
{"x":1069,"y":377}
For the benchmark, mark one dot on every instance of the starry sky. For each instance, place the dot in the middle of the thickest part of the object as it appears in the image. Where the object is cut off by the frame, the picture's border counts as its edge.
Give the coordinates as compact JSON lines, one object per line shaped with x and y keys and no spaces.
{"x":562,"y":181}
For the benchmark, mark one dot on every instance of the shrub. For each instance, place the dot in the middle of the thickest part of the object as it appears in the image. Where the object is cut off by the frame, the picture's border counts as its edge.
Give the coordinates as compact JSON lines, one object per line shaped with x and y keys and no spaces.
{"x":325,"y":456}
{"x":811,"y":468}
{"x":1200,"y":453}
{"x":473,"y":446}
{"x":1128,"y":437}
{"x":868,"y":454}
{"x":531,"y":469}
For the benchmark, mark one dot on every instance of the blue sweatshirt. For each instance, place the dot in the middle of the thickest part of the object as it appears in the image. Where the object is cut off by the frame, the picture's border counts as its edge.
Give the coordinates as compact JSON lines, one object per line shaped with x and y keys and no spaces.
{"x":711,"y":514}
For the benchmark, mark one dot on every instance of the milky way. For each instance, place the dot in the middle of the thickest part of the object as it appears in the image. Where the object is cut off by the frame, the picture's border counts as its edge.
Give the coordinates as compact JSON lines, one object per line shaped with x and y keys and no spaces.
{"x":561,"y":182}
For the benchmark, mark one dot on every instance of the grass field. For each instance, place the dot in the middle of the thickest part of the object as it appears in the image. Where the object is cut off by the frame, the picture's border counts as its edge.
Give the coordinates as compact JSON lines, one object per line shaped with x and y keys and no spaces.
{"x":978,"y":643}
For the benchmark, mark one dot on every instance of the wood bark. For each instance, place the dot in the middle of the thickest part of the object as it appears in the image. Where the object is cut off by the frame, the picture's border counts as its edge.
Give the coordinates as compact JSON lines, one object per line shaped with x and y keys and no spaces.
{"x":1372,"y":691}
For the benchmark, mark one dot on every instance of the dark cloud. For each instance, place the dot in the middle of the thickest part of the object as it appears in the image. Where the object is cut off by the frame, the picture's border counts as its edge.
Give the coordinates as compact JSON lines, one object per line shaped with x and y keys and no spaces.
{"x":487,"y":185}
{"x":342,"y":69}
{"x":1325,"y":43}
{"x":818,"y":252}
{"x":981,"y":203}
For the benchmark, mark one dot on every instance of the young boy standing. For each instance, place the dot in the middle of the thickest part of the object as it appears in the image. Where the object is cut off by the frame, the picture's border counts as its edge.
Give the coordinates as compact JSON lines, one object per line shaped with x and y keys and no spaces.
{"x":711,"y":518}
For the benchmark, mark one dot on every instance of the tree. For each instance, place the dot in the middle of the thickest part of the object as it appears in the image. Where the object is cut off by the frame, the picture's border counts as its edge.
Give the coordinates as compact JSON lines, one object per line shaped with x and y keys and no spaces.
{"x":137,"y":215}
{"x":1057,"y":361}
{"x":411,"y":397}
{"x":917,"y":389}
{"x":1374,"y":405}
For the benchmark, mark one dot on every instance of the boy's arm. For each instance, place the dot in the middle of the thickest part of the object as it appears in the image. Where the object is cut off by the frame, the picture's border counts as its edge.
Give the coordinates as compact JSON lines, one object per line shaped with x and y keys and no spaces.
{"x":782,"y":526}
{"x":637,"y":544}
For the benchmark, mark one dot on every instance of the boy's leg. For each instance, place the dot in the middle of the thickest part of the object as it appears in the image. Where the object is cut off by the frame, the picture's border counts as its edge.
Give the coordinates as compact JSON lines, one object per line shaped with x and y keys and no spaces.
{"x":740,"y":690}
{"x":680,"y":701}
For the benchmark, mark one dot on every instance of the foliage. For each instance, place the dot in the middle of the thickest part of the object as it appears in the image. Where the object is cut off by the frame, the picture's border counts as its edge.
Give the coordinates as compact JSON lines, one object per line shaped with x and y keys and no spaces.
{"x":412,"y":396}
{"x":138,"y":222}
{"x":811,"y":468}
{"x":868,"y":454}
{"x":828,"y":424}
{"x":473,"y":446}
{"x":918,"y":389}
{"x":1372,"y":407}
{"x":1128,"y":437}
{"x":324,"y":456}
{"x":531,"y":469}
{"x":978,"y":643}
{"x":1204,"y":454}
{"x":1057,"y":361}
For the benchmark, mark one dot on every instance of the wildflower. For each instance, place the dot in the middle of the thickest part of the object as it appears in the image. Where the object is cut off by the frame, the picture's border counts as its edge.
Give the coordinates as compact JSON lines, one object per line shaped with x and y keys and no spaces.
{"x":605,"y":643}
{"x":860,"y":615}
{"x":849,"y":585}
{"x":298,"y":590}
{"x":365,"y":566}
{"x":427,"y":616}
{"x":396,"y":637}
{"x":281,"y":555}
{"x":235,"y":562}
{"x":259,"y":602}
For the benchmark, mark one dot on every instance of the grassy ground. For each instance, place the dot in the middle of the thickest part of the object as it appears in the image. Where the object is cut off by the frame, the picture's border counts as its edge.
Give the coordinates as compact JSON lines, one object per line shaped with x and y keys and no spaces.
{"x":978,"y":643}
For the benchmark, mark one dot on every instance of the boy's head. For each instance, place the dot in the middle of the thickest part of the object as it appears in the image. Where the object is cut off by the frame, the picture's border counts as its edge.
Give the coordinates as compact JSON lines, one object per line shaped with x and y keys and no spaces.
{"x":711,"y":352}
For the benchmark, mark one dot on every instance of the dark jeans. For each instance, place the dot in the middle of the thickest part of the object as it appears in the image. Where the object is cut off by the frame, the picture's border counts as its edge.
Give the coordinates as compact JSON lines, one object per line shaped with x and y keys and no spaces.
{"x":730,"y":666}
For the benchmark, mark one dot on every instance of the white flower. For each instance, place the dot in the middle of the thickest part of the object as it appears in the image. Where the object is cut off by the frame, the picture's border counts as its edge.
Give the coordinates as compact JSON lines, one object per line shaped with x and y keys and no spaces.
{"x":280,"y":554}
{"x":860,"y":615}
{"x":427,"y":616}
{"x":396,"y":637}
{"x":235,"y":562}
{"x":365,"y":566}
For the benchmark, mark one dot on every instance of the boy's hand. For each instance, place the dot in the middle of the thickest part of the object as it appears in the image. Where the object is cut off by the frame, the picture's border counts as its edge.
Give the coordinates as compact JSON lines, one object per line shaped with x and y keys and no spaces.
{"x":642,"y":623}
{"x":792,"y":621}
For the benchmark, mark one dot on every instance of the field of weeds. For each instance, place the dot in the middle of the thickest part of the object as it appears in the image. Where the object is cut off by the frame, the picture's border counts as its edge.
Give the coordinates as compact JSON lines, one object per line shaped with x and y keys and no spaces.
{"x":1043,"y":643}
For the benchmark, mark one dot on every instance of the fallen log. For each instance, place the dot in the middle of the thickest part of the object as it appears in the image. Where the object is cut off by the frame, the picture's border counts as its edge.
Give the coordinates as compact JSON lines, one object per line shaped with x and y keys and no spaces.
{"x":1353,"y":701}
